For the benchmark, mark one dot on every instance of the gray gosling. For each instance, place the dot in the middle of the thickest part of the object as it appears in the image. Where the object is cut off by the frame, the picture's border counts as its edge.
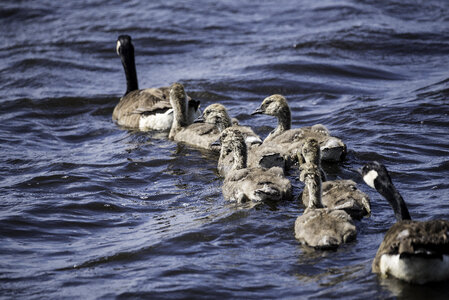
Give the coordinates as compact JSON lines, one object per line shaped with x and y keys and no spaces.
{"x":243,"y":184}
{"x":218,"y":115}
{"x":413,"y":251}
{"x":289,"y":141}
{"x":147,"y":109}
{"x":336,"y":194}
{"x":318,"y":227}
{"x":257,"y":155}
{"x":201,"y":135}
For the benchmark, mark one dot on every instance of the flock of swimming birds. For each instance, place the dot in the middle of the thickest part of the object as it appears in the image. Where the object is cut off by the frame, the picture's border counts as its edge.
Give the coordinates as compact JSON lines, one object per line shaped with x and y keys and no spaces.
{"x":254,"y":171}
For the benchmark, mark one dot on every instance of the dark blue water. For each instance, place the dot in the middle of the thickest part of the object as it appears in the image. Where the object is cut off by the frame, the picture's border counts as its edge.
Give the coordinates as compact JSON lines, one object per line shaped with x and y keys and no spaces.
{"x":89,"y":210}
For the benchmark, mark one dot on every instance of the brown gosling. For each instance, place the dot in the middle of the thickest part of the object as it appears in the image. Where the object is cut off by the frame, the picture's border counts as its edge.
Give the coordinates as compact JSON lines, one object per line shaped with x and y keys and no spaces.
{"x":318,"y":227}
{"x":336,"y":194}
{"x":201,"y":135}
{"x":289,"y":141}
{"x":256,"y":184}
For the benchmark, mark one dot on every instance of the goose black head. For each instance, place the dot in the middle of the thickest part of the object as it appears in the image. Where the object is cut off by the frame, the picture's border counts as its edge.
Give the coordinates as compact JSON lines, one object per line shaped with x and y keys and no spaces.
{"x":124,"y":45}
{"x":375,"y":175}
{"x":125,"y":50}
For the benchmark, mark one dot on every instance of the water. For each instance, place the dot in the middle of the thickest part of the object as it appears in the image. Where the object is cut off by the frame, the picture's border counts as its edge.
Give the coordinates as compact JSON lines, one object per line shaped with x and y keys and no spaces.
{"x":89,"y":210}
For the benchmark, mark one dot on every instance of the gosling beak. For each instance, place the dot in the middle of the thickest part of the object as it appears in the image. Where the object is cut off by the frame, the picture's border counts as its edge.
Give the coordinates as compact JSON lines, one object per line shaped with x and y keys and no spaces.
{"x":258,"y":111}
{"x":200,"y":119}
{"x":216,"y":143}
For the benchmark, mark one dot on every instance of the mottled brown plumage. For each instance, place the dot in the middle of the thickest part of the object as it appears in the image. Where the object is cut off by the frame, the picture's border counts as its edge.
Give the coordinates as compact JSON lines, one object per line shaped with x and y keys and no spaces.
{"x":318,"y":227}
{"x":128,"y":111}
{"x":255,"y":184}
{"x":289,"y":141}
{"x":414,"y":238}
{"x":344,"y":195}
{"x":337,"y":194}
{"x":257,"y":156}
{"x":201,"y":135}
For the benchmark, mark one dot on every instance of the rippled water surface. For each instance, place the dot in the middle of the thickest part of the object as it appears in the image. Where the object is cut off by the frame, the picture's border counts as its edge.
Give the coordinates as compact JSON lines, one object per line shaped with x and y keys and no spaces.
{"x":89,"y":210}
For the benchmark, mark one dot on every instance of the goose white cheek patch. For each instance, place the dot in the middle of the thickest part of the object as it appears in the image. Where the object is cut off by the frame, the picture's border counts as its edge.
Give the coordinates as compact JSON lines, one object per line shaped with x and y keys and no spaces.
{"x":118,"y":47}
{"x":370,"y":177}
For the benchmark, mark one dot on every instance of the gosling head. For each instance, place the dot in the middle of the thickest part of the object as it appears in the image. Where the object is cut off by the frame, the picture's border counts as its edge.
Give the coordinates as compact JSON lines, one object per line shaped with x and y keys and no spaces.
{"x":232,"y":140}
{"x":311,"y":152}
{"x":216,"y":114}
{"x":273,"y":105}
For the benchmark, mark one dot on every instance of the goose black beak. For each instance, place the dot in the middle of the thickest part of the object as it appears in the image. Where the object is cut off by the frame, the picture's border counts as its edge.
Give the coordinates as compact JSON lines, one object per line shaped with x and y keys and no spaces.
{"x":258,"y":111}
{"x":200,"y":119}
{"x":216,"y":143}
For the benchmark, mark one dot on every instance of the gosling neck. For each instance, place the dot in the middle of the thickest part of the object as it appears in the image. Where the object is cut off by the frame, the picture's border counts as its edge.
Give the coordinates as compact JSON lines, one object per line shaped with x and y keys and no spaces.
{"x":312,"y":179}
{"x":179,"y":115}
{"x":240,"y":154}
{"x":284,"y":120}
{"x":225,"y":122}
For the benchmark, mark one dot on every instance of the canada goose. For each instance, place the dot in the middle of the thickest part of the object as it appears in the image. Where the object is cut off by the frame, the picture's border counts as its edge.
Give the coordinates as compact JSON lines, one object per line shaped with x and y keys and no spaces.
{"x":256,"y":184}
{"x":257,"y":156}
{"x":201,"y":135}
{"x":290,"y":141}
{"x":318,"y":227}
{"x":412,"y":251}
{"x":147,"y":109}
{"x":336,"y":194}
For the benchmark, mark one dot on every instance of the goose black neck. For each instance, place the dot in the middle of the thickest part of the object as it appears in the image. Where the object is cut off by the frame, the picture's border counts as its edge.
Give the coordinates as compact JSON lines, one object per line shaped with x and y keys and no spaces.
{"x":396,"y":202}
{"x":129,"y":66}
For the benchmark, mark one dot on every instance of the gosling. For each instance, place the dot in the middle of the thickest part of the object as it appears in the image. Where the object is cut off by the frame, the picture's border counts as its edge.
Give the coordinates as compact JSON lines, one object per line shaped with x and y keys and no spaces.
{"x":336,"y":194}
{"x":243,"y":184}
{"x":289,"y":141}
{"x":319,"y":227}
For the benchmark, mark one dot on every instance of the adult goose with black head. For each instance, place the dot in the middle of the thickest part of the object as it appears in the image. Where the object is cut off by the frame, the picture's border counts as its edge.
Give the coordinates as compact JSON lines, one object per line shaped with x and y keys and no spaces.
{"x":413,"y":251}
{"x":145,"y":109}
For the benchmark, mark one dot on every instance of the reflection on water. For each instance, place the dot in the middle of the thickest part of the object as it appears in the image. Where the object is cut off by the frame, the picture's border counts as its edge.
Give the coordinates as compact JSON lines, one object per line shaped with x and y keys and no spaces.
{"x":403,"y":290}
